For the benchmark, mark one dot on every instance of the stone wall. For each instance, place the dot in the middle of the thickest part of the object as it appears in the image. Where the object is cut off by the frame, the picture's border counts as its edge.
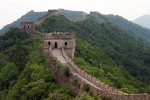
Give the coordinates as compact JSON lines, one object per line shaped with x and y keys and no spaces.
{"x":104,"y":89}
{"x":40,"y":20}
{"x":71,"y":81}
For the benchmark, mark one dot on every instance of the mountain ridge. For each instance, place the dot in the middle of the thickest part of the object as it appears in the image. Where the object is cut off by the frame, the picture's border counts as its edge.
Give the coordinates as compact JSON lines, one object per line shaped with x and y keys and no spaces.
{"x":134,"y":29}
{"x":30,"y":16}
{"x":143,"y":21}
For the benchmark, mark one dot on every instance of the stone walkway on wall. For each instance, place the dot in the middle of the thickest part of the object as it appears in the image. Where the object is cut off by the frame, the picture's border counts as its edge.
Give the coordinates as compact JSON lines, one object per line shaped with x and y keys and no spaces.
{"x":58,"y":54}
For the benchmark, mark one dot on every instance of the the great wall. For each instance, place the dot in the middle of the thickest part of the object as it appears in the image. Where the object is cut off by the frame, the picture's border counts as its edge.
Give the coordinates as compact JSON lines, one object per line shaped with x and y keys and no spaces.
{"x":62,"y":47}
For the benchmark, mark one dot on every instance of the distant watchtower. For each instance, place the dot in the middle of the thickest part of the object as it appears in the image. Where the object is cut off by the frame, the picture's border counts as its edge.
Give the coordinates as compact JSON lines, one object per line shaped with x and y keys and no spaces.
{"x":28,"y":27}
{"x":58,"y":40}
{"x":53,"y":12}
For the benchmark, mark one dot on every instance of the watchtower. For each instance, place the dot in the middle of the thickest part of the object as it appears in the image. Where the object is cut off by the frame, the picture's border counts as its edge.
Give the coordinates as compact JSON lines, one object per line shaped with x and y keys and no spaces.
{"x":53,"y":12}
{"x":58,"y":40}
{"x":27,"y":26}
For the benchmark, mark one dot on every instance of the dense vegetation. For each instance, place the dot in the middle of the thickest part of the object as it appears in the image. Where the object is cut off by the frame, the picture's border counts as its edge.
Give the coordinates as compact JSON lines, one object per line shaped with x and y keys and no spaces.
{"x":127,"y":51}
{"x":130,"y":27}
{"x":115,"y":57}
{"x":101,"y":66}
{"x":24,"y":73}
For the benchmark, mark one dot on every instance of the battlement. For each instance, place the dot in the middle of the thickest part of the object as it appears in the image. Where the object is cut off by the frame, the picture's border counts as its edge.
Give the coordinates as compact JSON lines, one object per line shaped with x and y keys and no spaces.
{"x":60,"y":36}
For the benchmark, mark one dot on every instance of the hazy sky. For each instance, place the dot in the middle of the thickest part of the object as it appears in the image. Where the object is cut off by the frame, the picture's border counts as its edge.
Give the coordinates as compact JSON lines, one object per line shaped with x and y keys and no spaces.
{"x":11,"y":10}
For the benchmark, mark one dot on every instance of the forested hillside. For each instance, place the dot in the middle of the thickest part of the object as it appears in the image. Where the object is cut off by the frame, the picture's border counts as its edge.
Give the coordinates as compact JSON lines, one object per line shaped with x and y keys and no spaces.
{"x":107,"y":52}
{"x":131,"y":28}
{"x":24,"y":72}
{"x":133,"y":54}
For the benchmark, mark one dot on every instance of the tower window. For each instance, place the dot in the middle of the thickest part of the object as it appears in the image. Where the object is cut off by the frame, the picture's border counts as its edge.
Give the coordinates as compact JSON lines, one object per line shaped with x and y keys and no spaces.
{"x":65,"y":43}
{"x":49,"y":43}
{"x":56,"y":46}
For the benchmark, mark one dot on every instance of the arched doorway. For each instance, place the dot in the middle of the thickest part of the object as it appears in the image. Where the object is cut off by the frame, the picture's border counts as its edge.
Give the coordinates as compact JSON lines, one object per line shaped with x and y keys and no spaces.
{"x":65,"y":43}
{"x":49,"y":44}
{"x":56,"y":46}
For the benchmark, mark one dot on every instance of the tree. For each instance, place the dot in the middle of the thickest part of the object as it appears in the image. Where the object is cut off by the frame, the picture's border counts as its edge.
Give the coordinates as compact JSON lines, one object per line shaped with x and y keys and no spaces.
{"x":8,"y":75}
{"x":33,"y":90}
{"x":18,"y":55}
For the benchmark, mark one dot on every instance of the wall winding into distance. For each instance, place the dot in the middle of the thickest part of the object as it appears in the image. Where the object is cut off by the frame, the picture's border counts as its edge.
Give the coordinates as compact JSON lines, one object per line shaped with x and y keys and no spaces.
{"x":81,"y":76}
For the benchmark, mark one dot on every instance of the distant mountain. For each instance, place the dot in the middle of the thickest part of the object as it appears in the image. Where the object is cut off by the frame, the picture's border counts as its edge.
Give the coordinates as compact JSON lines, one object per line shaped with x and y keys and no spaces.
{"x":131,"y":28}
{"x":32,"y":16}
{"x":143,"y":21}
